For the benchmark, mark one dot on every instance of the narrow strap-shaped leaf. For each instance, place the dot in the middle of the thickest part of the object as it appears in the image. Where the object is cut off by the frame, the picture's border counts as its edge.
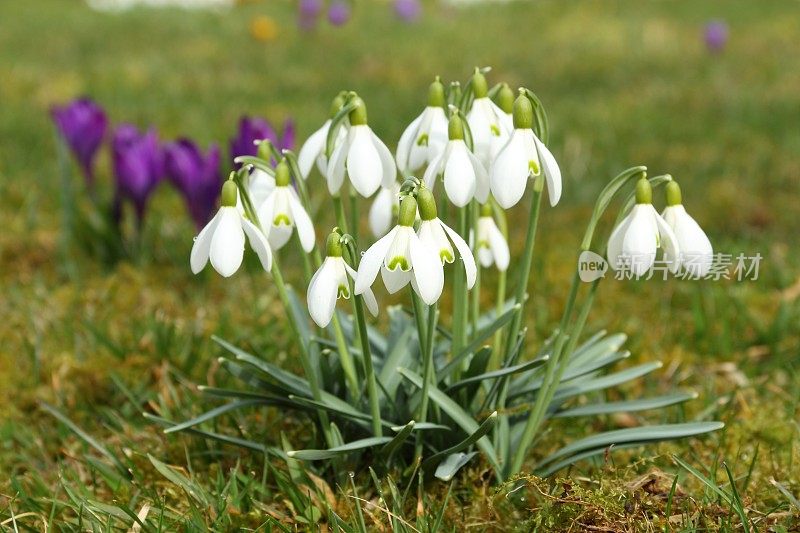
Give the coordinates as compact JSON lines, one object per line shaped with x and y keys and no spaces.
{"x":569,"y":461}
{"x":611,"y":380}
{"x":189,"y":486}
{"x":296,"y":384}
{"x":343,"y":409}
{"x":633,"y":435}
{"x":572,"y":373}
{"x":482,"y":430}
{"x":626,"y":406}
{"x":217,"y":411}
{"x":256,"y":162}
{"x":450,"y":466}
{"x":494,"y":374}
{"x":390,"y":447}
{"x":459,"y":416}
{"x":319,"y":455}
{"x":399,"y":354}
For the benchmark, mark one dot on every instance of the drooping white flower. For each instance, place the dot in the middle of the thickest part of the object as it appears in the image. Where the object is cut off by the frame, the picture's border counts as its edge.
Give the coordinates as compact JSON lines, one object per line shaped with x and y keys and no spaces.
{"x":492,"y":248}
{"x":487,"y":121}
{"x":402,"y":258}
{"x":330,"y":282}
{"x":523,"y":156}
{"x":463,"y":174}
{"x":633,"y":244}
{"x":313,"y":150}
{"x":438,"y":236}
{"x":282,"y":211}
{"x":362,"y":156}
{"x":383,"y":210}
{"x":426,"y":136}
{"x":259,"y":186}
{"x":696,"y":251}
{"x":222,"y":240}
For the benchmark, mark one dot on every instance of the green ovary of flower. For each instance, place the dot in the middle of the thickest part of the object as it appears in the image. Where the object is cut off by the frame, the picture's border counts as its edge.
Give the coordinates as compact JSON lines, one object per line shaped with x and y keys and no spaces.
{"x":399,"y":262}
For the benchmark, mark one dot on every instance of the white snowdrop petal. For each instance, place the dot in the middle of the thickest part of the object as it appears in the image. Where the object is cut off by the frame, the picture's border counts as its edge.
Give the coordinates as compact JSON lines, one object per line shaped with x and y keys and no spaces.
{"x":336,"y":166}
{"x":614,"y":247}
{"x":510,"y":172}
{"x":669,"y":243}
{"x":466,"y":254}
{"x":396,"y":279}
{"x":407,"y":140}
{"x":258,"y":242}
{"x":202,"y":245}
{"x":388,"y":168}
{"x":380,"y":212}
{"x":482,"y":184}
{"x":369,"y":296}
{"x":364,"y":165}
{"x":260,"y":186}
{"x":427,"y":270}
{"x":371,"y":262}
{"x":305,"y":228}
{"x":312,"y":148}
{"x":322,"y":292}
{"x":552,"y":172}
{"x":279,"y":236}
{"x":459,"y":175}
{"x":639,"y":244}
{"x":695,"y":247}
{"x":227,"y":243}
{"x":498,"y":246}
{"x":434,"y":169}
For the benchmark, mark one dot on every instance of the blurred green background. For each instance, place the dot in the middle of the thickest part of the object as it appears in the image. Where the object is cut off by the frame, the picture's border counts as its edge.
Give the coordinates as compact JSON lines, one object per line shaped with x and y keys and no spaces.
{"x":624,"y":83}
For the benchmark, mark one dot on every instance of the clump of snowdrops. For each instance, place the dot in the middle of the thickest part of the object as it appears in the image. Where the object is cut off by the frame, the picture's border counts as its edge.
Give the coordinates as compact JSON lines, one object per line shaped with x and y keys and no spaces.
{"x":422,"y":384}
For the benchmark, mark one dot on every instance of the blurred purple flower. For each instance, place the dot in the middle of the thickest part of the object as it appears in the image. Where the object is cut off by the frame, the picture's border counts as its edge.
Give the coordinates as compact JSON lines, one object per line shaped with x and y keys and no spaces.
{"x":253,"y":129}
{"x":308,"y":13}
{"x":407,"y":10}
{"x":82,"y":124}
{"x":716,"y":35}
{"x":138,"y":167}
{"x":196,"y":176}
{"x":339,"y":12}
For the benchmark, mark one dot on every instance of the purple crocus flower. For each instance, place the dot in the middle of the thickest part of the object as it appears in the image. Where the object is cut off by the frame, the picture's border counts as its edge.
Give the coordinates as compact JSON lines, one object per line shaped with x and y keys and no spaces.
{"x":339,"y":12}
{"x":716,"y":35}
{"x":82,"y":123}
{"x":196,"y":176}
{"x":407,"y":10}
{"x":253,"y":129}
{"x":138,"y":167}
{"x":308,"y":13}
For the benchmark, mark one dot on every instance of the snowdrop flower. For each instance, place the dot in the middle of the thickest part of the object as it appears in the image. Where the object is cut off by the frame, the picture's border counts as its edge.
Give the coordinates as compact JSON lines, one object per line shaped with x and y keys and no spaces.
{"x":282,"y":211}
{"x":519,"y":160}
{"x":492,"y":248}
{"x":222,"y":240}
{"x":331,"y":282}
{"x":314,"y":148}
{"x":487,"y":122}
{"x":695,"y":248}
{"x":362,"y":156}
{"x":505,"y":101}
{"x":402,"y":257}
{"x":438,"y":236}
{"x":633,"y":244}
{"x":426,"y":136}
{"x":463,"y":174}
{"x":260,"y":184}
{"x":383,"y":210}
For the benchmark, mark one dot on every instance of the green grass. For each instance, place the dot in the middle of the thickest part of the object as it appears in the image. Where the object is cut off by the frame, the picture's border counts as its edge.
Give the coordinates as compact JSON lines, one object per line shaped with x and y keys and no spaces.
{"x":624,"y":83}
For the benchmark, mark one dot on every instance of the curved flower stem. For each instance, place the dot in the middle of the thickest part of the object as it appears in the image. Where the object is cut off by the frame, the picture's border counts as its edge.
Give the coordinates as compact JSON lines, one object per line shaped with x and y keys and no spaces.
{"x":497,"y":350}
{"x":527,"y":260}
{"x":476,"y":290}
{"x":338,"y":208}
{"x":354,"y":218}
{"x":459,"y":300}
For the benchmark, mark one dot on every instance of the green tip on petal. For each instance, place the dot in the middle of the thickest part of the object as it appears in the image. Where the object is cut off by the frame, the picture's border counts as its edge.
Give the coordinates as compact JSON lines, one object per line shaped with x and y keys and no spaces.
{"x":427,"y":204}
{"x":436,"y":97}
{"x":479,"y":85}
{"x":333,"y":246}
{"x":282,"y":175}
{"x":455,"y":128}
{"x":644,"y":191}
{"x":229,"y":194}
{"x":399,"y":262}
{"x":505,"y":98}
{"x":673,"y":193}
{"x":358,"y":116}
{"x":523,"y":112}
{"x":408,"y":211}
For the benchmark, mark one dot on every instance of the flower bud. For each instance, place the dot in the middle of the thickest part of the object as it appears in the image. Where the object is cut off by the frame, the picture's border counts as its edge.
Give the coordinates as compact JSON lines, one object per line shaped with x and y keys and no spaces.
{"x":229,"y":194}
{"x":408,"y":211}
{"x":358,"y":116}
{"x":455,"y":128}
{"x":644,"y":191}
{"x":479,"y":85}
{"x":265,"y":150}
{"x":523,"y":112}
{"x":436,"y":96}
{"x":673,"y":193}
{"x":505,"y":98}
{"x":282,"y":175}
{"x":333,"y":246}
{"x":427,"y":204}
